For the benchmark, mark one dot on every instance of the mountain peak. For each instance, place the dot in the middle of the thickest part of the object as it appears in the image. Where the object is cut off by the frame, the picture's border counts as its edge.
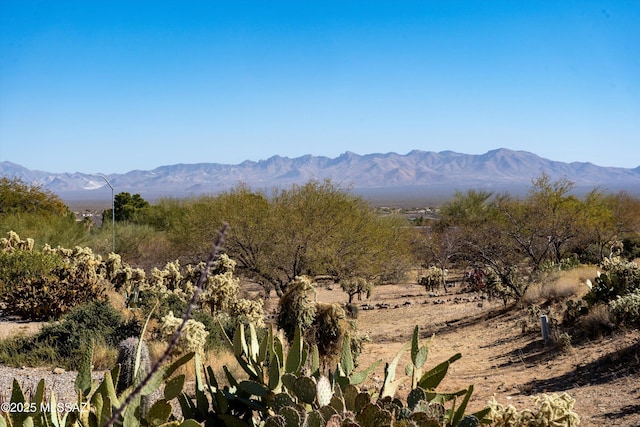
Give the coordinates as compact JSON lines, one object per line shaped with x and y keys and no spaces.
{"x":417,"y":169}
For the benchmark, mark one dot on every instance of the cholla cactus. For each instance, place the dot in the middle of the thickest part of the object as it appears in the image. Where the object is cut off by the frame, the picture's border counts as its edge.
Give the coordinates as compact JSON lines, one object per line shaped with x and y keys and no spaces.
{"x":551,"y":410}
{"x":170,"y":280}
{"x":113,"y":264}
{"x":297,"y":306}
{"x":433,"y":278}
{"x":169,"y":277}
{"x":13,"y":242}
{"x":248,"y":311}
{"x":221,"y":291}
{"x":626,"y":308}
{"x":193,"y":337}
{"x":224,"y":264}
{"x":556,"y":410}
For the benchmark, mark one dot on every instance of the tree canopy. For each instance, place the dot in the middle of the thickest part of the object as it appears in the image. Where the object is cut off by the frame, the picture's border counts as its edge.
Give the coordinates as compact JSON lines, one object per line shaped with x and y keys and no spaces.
{"x":18,"y":197}
{"x":312,"y":229}
{"x":516,"y":238}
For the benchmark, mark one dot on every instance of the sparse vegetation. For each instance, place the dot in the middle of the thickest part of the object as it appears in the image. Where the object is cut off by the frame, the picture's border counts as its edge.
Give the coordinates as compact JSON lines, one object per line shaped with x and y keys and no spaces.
{"x":62,"y":343}
{"x":279,"y":242}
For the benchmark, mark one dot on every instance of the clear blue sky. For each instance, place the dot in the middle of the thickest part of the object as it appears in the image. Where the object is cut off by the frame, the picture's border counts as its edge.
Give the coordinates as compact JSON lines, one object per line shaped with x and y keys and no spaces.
{"x":113,"y":86}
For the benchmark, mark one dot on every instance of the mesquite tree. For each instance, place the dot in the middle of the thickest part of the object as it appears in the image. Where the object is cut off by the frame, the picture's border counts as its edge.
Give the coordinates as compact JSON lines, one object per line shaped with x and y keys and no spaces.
{"x":312,"y":229}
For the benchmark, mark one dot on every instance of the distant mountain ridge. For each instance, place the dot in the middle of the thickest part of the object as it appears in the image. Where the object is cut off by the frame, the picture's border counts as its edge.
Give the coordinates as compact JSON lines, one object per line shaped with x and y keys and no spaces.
{"x":496,"y":169}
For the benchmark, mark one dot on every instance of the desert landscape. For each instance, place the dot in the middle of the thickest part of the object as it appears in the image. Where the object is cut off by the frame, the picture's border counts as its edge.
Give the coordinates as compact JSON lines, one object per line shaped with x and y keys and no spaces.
{"x":497,"y":357}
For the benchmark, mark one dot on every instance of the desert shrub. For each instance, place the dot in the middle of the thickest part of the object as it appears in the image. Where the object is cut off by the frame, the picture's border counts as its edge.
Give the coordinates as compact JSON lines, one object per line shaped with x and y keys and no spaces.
{"x":97,"y":320}
{"x":619,"y":278}
{"x":495,"y":286}
{"x":356,"y":286}
{"x":626,"y":309}
{"x":433,"y":278}
{"x":216,"y":327}
{"x":574,"y":310}
{"x":564,"y":264}
{"x":552,"y":289}
{"x":530,"y":323}
{"x":139,"y":244}
{"x":101,"y":319}
{"x":169,"y":302}
{"x":15,"y":265}
{"x":596,"y":323}
{"x":352,"y":311}
{"x":631,"y":248}
{"x":562,"y":342}
{"x":62,"y":342}
{"x":54,"y":230}
{"x":47,"y":284}
{"x":25,"y":351}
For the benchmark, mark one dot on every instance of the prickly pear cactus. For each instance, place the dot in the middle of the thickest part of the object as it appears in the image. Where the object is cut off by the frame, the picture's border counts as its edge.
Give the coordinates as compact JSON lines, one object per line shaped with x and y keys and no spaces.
{"x":324,"y":391}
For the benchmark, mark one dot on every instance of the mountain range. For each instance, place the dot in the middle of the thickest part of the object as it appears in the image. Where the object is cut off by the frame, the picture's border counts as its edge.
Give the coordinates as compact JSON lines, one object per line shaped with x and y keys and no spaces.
{"x":415,"y":173}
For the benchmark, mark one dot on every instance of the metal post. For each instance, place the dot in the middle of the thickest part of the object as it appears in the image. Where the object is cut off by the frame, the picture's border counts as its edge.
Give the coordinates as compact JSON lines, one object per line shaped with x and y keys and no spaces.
{"x":544,"y":326}
{"x":113,"y":212}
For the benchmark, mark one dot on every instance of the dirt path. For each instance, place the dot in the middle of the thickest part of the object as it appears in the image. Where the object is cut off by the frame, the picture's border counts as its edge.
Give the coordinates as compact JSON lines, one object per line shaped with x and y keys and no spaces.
{"x":499,"y":360}
{"x":603,"y":375}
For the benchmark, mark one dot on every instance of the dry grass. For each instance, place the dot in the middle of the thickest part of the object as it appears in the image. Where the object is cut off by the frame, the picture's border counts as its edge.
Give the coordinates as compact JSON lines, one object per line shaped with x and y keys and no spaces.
{"x":216,"y":360}
{"x":117,"y":300}
{"x":596,"y":323}
{"x":560,"y":286}
{"x":104,"y":356}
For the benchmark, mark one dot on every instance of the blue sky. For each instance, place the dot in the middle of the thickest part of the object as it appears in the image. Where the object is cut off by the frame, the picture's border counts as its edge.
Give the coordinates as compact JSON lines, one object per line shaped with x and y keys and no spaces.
{"x":113,"y":86}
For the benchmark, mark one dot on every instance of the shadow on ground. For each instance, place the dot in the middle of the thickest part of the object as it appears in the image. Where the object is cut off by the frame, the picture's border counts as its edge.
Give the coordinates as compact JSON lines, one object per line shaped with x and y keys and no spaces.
{"x":624,"y":412}
{"x":454,"y":325}
{"x":612,"y":366}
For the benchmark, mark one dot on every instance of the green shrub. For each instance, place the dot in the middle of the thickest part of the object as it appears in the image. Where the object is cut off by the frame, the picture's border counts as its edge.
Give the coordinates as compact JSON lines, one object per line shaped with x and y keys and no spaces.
{"x":563,"y":265}
{"x":619,"y":278}
{"x":103,"y":320}
{"x":595,"y":324}
{"x":61,"y":343}
{"x":25,"y":351}
{"x":575,"y":310}
{"x":219,"y":325}
{"x":46,"y":284}
{"x":626,"y":309}
{"x":16,"y":265}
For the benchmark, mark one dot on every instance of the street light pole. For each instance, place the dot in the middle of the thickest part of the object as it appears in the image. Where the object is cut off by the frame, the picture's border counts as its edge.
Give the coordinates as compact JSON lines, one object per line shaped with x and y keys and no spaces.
{"x":113,"y":212}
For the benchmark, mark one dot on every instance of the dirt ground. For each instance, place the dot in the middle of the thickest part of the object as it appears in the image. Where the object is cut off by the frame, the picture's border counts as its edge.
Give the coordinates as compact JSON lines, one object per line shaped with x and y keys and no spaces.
{"x":497,"y":358}
{"x":10,"y":327}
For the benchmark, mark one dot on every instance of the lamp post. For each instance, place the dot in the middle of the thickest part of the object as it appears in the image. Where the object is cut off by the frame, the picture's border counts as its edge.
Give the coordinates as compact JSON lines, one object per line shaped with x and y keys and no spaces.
{"x":113,"y":212}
